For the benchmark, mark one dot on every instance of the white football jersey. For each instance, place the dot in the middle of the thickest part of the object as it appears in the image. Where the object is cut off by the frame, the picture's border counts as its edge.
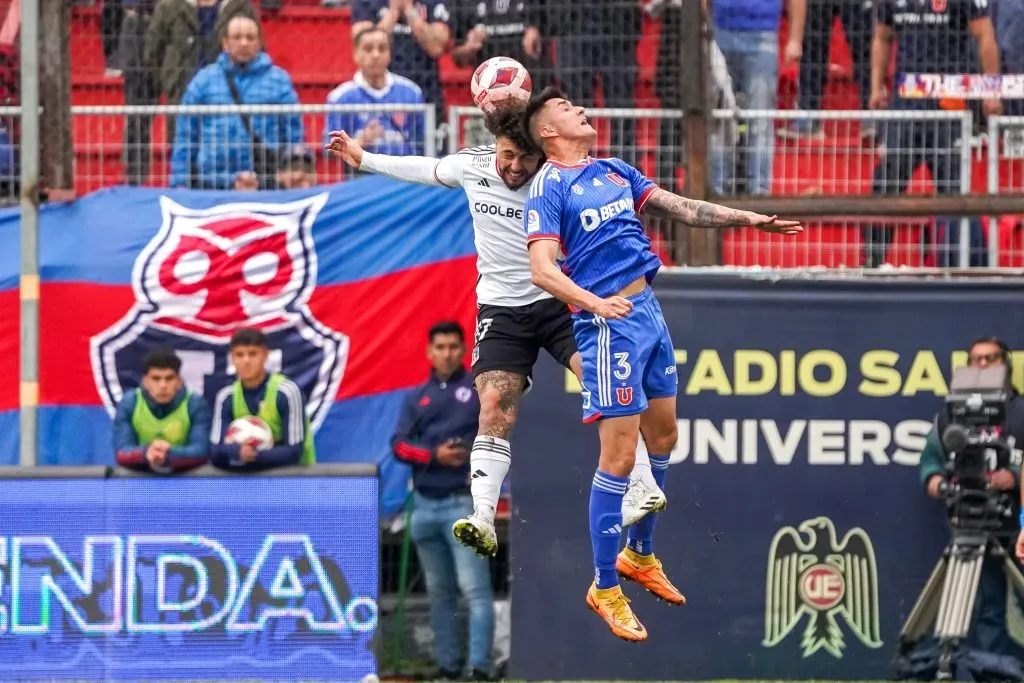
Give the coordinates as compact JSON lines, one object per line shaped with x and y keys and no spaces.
{"x":503,"y":261}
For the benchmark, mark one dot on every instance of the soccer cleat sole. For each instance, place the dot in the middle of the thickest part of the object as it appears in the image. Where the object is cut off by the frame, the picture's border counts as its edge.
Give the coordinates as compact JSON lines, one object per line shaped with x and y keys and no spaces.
{"x":657,"y":597}
{"x":629,"y":639}
{"x":628,"y":577}
{"x":469,"y":536}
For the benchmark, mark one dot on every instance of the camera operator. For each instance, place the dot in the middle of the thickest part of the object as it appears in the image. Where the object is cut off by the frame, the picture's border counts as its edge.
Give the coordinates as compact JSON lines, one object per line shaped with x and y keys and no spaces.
{"x":989,"y":633}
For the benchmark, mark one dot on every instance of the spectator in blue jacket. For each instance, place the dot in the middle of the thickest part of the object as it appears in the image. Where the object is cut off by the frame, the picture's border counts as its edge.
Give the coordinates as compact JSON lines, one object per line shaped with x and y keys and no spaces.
{"x":211,"y":149}
{"x":162,"y":426}
{"x":382,"y":131}
{"x":435,"y":430}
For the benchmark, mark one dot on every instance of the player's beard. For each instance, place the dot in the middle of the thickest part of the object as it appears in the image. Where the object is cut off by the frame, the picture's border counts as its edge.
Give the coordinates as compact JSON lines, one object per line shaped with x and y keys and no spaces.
{"x":520,"y":182}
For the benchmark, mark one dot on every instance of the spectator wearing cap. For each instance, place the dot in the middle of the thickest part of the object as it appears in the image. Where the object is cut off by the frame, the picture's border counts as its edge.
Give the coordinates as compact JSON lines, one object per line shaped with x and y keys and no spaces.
{"x":381,"y":131}
{"x":297,"y":168}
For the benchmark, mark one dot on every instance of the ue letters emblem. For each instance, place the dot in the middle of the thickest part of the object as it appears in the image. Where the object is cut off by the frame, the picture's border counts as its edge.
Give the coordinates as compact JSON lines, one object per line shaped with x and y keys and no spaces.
{"x":625,"y":395}
{"x":208,"y":272}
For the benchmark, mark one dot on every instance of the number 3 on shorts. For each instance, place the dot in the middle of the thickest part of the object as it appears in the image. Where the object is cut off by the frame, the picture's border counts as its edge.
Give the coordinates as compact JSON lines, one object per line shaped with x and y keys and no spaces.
{"x":623,"y":368}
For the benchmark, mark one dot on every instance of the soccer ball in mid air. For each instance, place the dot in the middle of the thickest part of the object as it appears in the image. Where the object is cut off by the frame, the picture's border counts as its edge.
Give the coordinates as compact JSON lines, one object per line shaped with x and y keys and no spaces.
{"x":252,"y":431}
{"x":500,"y":81}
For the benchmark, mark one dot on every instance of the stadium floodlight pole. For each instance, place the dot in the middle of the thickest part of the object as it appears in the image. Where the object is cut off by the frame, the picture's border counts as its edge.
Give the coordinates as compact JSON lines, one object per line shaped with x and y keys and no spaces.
{"x":30,"y":143}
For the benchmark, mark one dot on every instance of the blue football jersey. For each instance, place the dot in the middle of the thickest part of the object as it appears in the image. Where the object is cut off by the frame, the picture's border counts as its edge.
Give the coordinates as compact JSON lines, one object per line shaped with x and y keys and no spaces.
{"x":591,"y":208}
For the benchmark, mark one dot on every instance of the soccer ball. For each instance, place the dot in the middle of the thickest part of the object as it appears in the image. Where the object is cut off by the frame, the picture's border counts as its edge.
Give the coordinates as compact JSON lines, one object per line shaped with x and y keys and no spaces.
{"x":250,"y":430}
{"x":500,"y":81}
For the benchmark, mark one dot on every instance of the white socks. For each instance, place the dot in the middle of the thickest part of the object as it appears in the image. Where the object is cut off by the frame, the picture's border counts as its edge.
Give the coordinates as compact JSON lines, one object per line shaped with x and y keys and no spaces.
{"x":491,"y":457}
{"x":642,"y":467}
{"x":488,"y":465}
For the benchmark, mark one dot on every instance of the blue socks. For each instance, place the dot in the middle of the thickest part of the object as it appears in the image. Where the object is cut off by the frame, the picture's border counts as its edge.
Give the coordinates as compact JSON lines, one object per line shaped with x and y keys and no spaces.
{"x":606,"y":524}
{"x":640,"y":536}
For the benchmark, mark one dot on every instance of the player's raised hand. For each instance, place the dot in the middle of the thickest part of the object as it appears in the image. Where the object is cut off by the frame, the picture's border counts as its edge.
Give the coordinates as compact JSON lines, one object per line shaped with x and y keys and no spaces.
{"x":773,"y":224}
{"x":614,"y":307}
{"x":345,"y":148}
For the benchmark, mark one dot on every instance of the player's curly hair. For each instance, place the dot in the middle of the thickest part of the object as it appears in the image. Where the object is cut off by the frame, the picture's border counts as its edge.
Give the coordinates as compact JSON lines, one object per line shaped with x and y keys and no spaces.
{"x":507,"y":122}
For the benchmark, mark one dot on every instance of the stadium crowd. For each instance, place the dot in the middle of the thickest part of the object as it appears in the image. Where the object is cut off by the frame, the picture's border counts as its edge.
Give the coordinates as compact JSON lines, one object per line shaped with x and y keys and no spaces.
{"x":184,"y":50}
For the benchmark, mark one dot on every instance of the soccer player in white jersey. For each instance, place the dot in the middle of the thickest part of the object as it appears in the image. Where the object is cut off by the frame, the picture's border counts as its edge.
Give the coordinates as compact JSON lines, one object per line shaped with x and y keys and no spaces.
{"x":515,"y":318}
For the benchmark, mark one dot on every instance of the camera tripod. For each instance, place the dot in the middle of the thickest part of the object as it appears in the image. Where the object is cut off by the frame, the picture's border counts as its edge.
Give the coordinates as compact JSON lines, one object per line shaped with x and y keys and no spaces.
{"x":948,"y":597}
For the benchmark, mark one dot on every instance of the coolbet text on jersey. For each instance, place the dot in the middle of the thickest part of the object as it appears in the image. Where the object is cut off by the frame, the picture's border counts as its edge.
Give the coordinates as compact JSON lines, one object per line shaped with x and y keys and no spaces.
{"x":591,"y":209}
{"x":502,"y":260}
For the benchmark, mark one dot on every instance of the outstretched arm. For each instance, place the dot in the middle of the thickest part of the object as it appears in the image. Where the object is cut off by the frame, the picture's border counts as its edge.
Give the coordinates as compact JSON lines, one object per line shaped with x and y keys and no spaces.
{"x":698,"y":214}
{"x":420,"y":170}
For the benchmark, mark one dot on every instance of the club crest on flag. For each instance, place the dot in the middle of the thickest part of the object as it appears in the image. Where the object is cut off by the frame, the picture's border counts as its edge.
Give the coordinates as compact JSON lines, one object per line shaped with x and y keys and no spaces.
{"x":208,"y":272}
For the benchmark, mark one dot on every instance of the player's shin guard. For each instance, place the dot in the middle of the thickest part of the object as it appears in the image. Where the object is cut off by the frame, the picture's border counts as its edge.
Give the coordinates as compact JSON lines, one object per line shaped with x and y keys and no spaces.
{"x":640,"y":538}
{"x":606,"y":525}
{"x":488,"y":462}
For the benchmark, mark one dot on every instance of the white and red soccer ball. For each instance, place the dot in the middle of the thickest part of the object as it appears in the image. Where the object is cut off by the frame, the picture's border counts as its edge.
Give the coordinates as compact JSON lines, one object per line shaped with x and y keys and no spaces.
{"x":252,"y":431}
{"x":498,"y":82}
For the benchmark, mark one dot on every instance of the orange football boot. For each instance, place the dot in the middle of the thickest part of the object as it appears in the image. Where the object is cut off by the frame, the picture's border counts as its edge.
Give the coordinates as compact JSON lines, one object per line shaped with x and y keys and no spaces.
{"x":612,"y":606}
{"x":646,"y":571}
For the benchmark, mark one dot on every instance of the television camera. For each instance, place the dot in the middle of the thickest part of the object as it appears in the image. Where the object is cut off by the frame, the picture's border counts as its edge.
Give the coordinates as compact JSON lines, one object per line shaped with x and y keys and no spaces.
{"x":976,"y":444}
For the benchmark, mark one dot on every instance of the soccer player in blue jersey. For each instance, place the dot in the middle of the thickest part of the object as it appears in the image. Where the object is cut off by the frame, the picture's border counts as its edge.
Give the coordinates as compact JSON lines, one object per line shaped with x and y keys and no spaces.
{"x":588,"y":208}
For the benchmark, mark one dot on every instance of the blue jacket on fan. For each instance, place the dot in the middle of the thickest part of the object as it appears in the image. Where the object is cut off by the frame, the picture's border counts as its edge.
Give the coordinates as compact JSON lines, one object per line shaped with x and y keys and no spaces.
{"x":433,"y":413}
{"x":747,"y":15}
{"x":216,"y":147}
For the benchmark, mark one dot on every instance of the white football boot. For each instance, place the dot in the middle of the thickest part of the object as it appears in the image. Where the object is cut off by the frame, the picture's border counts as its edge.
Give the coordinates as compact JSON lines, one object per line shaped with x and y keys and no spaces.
{"x":477,"y":532}
{"x":642,"y":498}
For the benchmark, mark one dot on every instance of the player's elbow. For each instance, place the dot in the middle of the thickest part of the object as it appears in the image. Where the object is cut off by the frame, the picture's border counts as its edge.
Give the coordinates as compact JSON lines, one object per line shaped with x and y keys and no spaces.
{"x":536,"y":276}
{"x":541,"y":277}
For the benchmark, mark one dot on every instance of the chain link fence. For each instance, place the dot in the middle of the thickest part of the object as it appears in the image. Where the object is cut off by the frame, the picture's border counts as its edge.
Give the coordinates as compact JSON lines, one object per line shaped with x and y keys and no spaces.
{"x":917,"y":152}
{"x":1005,"y":174}
{"x":229,"y":147}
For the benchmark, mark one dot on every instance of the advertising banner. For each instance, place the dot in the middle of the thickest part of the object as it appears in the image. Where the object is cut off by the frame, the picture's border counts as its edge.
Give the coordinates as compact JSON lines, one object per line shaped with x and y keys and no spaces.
{"x":796,"y":525}
{"x":221,"y":578}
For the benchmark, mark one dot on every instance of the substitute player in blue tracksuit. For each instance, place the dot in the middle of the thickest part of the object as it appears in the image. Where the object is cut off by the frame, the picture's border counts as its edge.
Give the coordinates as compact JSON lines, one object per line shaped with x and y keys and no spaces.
{"x":589,"y":207}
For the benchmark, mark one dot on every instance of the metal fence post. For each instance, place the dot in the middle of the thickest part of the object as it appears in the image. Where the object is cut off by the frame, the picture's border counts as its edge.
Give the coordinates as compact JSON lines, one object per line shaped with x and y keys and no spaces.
{"x":993,"y":189}
{"x":430,"y":137}
{"x":29,"y":231}
{"x":966,"y":128}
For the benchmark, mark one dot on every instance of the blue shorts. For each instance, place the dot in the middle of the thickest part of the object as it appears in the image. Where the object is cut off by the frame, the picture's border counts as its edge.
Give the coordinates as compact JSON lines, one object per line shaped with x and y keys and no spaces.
{"x":625,"y":362}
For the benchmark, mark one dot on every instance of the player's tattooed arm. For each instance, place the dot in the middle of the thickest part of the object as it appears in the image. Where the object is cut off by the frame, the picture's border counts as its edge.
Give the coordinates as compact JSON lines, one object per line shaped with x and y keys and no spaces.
{"x":500,"y":392}
{"x":693,"y":212}
{"x":699,"y":214}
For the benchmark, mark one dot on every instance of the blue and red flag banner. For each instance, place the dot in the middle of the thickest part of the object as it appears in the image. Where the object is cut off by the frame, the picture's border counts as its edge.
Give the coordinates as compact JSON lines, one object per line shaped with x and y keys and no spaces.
{"x":345,"y":280}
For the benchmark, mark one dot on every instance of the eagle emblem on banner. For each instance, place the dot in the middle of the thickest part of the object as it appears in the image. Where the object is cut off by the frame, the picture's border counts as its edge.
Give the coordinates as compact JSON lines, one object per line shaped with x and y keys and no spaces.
{"x":814,"y":577}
